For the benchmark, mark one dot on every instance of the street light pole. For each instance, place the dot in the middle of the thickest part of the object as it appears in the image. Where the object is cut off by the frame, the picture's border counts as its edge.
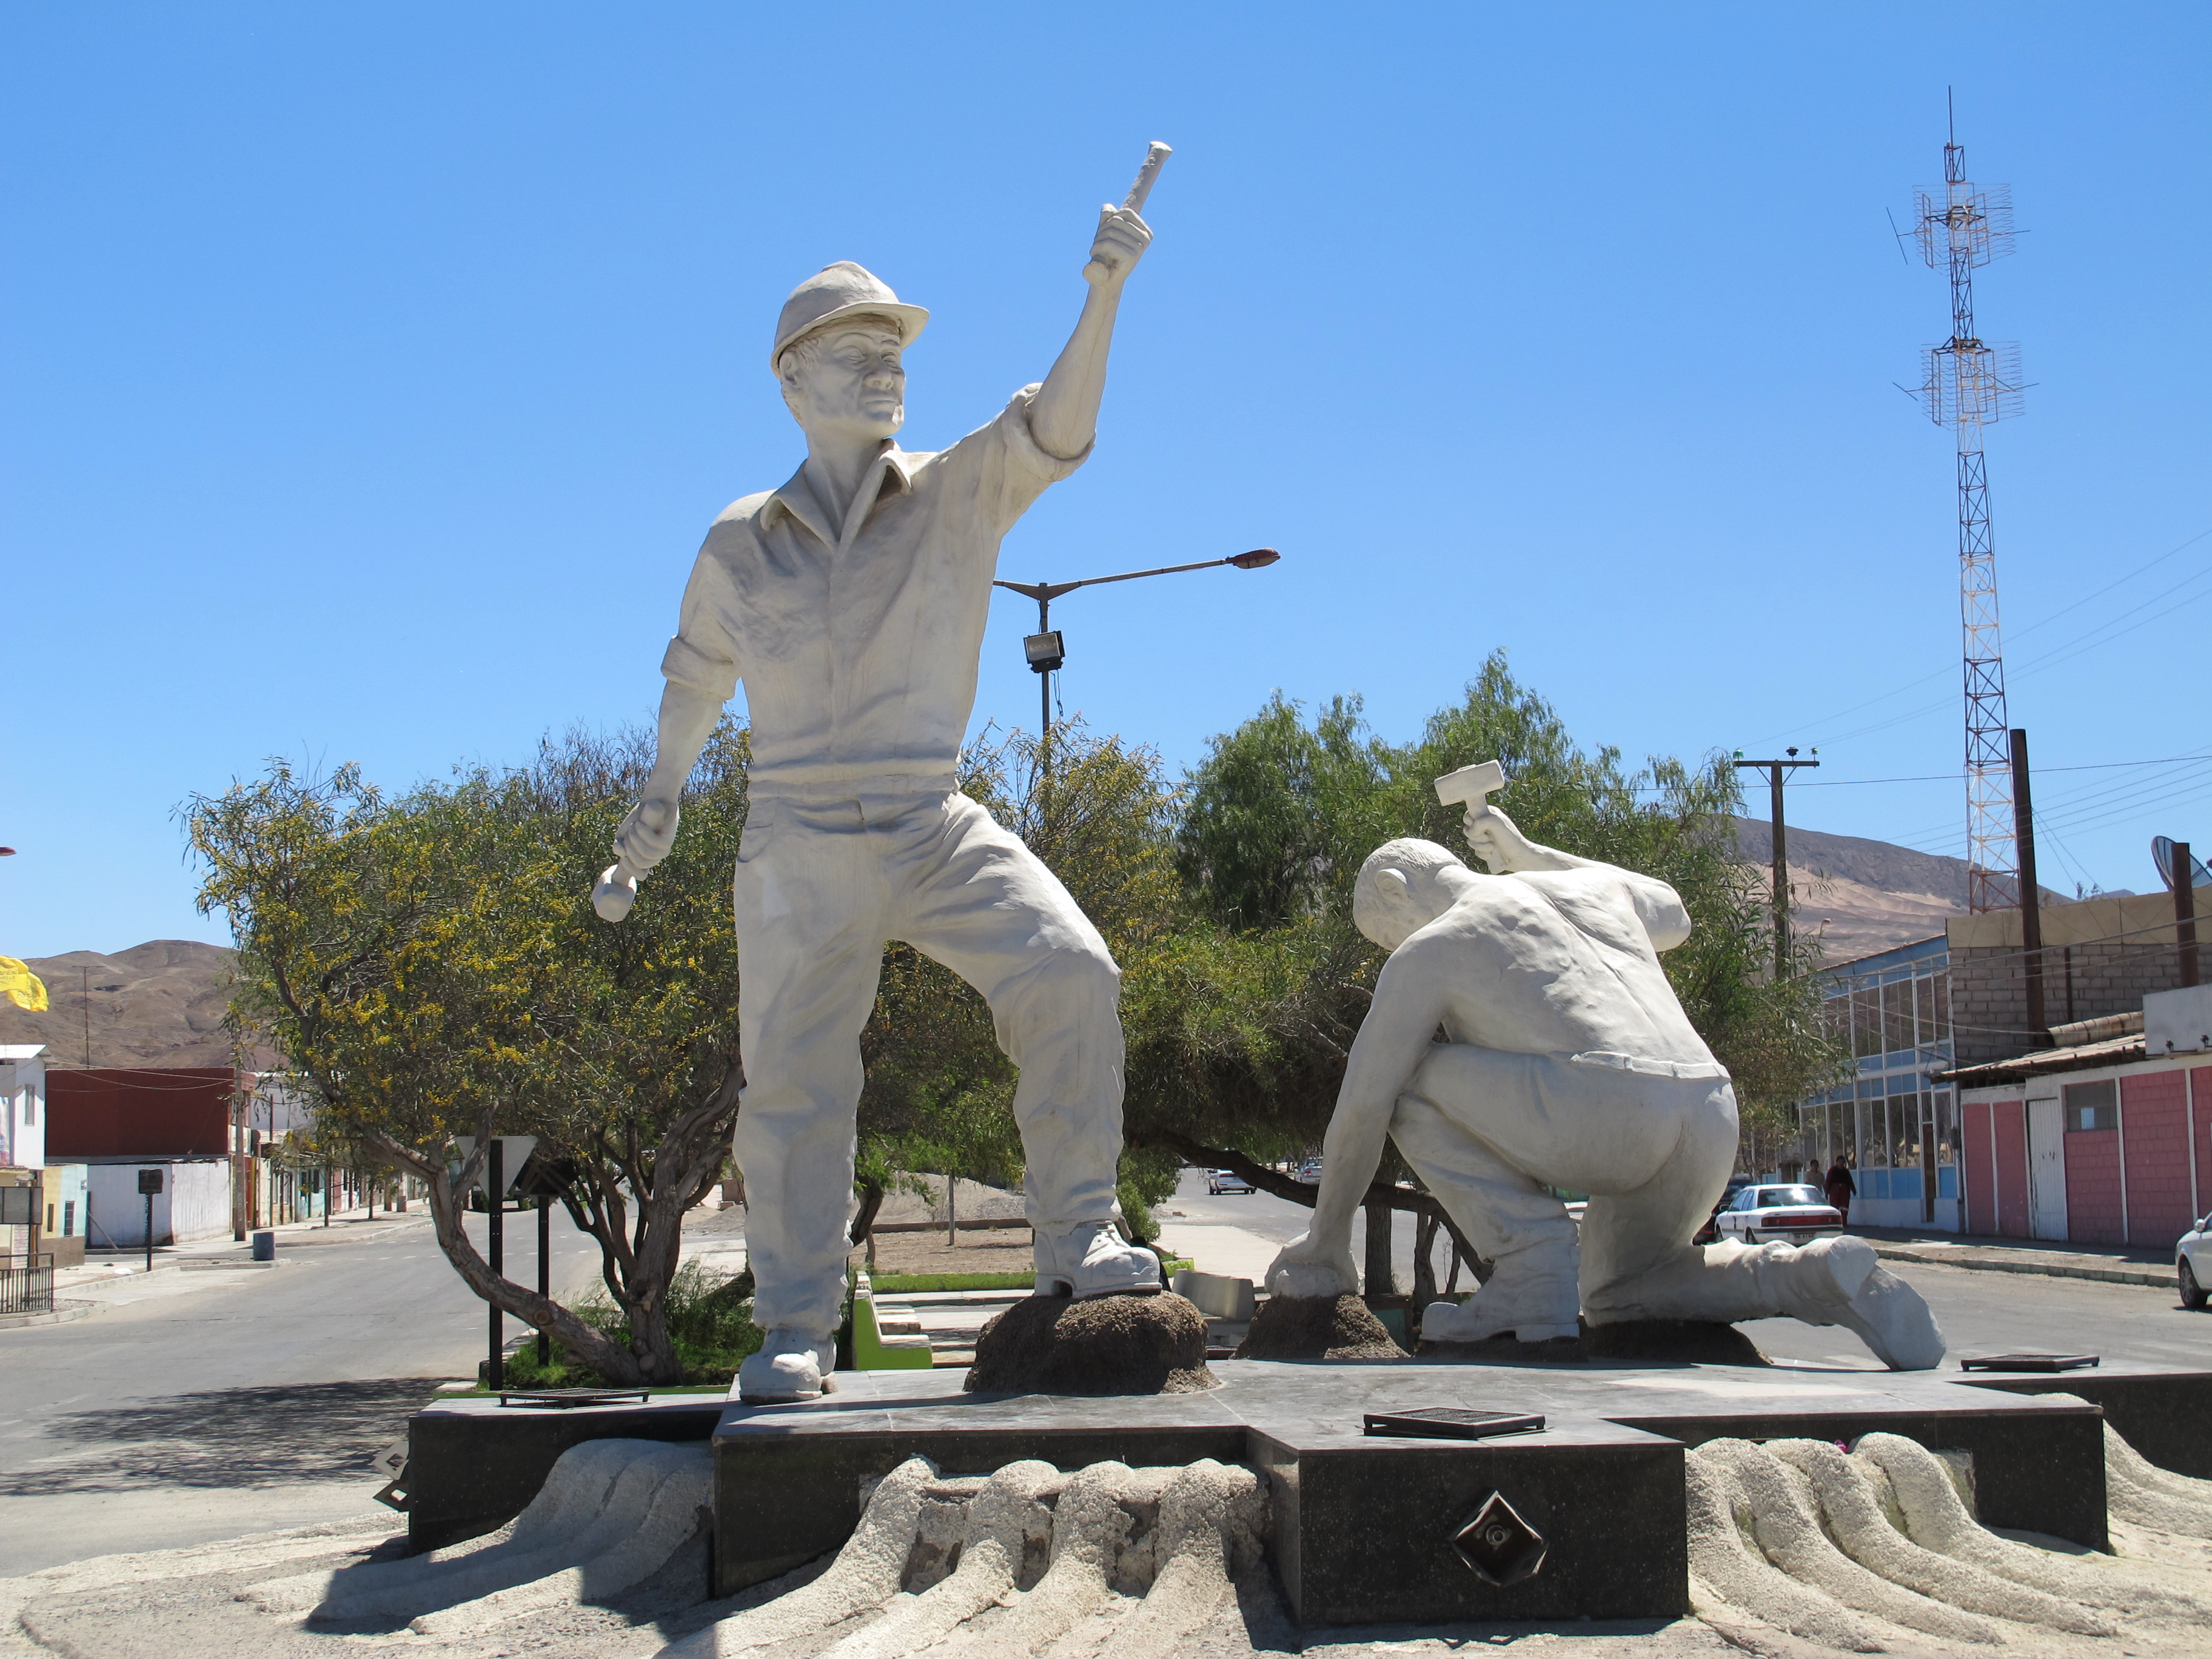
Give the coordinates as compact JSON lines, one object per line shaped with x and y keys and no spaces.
{"x":1774,"y":770}
{"x":1045,"y":649}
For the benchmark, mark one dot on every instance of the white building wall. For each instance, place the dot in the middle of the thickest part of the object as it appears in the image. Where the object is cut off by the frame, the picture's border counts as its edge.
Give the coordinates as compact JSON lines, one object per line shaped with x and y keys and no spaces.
{"x":23,"y":1105}
{"x":194,"y":1203}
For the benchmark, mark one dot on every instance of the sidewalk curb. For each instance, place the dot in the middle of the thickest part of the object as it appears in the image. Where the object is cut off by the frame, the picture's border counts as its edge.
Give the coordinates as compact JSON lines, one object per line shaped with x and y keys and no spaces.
{"x":2055,"y":1270}
{"x":61,"y":1316}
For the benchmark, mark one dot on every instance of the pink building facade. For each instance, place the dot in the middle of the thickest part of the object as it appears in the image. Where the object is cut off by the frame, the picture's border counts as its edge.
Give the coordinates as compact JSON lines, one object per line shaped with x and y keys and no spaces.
{"x":2107,"y":1142}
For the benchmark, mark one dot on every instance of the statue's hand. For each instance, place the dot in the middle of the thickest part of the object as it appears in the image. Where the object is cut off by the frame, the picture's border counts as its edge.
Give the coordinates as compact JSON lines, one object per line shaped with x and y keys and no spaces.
{"x":647,"y":834}
{"x":1121,"y":240}
{"x":1498,"y":840}
{"x":1305,"y":1268}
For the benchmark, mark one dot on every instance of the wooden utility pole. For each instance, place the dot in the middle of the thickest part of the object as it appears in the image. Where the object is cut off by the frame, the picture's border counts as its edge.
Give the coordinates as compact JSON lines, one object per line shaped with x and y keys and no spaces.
{"x":495,"y":1190}
{"x":2031,"y":896}
{"x":1774,"y":770}
{"x":2185,"y":911}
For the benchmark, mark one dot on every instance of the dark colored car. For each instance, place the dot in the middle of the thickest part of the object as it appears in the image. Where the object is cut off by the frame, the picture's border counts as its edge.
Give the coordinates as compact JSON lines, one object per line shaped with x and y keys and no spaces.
{"x":1710,"y":1232}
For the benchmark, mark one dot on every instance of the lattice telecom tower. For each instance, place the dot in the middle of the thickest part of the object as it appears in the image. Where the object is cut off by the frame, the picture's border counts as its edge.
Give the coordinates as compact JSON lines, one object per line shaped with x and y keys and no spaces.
{"x":1967,"y":383}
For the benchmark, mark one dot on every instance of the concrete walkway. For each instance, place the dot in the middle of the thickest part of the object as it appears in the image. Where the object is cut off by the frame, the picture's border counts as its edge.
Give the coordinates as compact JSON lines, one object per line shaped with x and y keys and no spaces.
{"x":2109,"y":1264}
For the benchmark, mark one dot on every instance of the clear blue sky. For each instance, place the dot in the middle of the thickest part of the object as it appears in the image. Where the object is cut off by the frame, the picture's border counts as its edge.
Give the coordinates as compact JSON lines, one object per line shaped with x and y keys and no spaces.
{"x":371,"y":373}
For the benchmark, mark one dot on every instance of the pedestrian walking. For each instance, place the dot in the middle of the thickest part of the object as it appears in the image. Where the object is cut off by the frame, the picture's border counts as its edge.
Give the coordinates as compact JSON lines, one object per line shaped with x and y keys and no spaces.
{"x":1841,"y":1189}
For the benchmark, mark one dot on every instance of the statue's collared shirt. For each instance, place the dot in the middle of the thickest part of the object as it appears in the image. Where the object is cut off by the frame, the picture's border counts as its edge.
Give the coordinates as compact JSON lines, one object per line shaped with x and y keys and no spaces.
{"x":858,"y":643}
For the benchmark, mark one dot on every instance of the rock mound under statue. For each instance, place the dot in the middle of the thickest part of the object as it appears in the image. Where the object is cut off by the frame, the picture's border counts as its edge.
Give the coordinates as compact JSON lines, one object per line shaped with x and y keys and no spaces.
{"x":1105,"y":1344}
{"x":1672,"y":1341}
{"x":1317,"y":1328}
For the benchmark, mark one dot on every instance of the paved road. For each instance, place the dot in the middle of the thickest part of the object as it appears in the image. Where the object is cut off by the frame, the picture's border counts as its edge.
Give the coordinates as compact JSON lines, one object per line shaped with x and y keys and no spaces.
{"x":1979,"y":1312}
{"x":199,"y":1405}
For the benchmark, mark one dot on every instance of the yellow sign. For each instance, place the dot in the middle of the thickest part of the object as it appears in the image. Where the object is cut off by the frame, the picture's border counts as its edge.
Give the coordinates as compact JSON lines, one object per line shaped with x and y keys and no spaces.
{"x":22,"y":986}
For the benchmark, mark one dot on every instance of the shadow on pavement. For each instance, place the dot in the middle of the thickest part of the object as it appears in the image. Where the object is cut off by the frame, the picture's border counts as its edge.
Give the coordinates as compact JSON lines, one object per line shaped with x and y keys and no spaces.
{"x":224,"y":1437}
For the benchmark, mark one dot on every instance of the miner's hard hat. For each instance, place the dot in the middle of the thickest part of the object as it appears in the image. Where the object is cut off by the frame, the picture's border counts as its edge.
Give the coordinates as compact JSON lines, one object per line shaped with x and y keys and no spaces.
{"x":840,"y":290}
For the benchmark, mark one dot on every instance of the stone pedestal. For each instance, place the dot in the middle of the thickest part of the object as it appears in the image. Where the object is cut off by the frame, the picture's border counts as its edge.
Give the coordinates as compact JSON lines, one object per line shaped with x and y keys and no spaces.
{"x":1375,"y":1527}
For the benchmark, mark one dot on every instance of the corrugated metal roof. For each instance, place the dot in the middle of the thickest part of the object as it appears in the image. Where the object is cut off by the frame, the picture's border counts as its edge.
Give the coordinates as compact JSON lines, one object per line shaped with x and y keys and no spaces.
{"x":2118,"y":1051}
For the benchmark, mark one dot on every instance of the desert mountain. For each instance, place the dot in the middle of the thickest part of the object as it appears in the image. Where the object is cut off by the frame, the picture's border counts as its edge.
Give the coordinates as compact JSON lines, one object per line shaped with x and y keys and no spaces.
{"x":157,"y":1004}
{"x":1865,"y":895}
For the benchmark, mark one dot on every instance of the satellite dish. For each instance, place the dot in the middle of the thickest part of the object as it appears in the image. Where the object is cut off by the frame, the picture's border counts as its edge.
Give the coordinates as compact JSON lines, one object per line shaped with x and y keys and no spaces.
{"x":2162,"y":855}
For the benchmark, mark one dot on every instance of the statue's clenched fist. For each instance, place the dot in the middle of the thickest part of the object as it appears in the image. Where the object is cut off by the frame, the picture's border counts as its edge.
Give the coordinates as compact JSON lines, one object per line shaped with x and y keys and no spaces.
{"x":642,"y":842}
{"x":647,"y":835}
{"x":1121,"y":240}
{"x":1498,"y":842}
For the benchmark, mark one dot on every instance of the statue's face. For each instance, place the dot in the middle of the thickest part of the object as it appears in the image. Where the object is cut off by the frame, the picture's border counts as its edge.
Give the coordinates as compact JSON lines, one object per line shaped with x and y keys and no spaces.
{"x":847,"y":381}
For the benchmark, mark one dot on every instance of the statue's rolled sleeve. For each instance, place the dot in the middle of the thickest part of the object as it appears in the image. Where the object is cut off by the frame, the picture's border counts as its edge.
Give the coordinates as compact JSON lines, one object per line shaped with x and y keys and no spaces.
{"x":1001,"y":469}
{"x":688,"y":665}
{"x":1025,"y":453}
{"x":703,"y":655}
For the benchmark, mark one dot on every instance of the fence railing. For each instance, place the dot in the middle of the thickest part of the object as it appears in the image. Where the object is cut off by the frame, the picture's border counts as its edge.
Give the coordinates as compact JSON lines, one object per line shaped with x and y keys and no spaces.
{"x":27,"y":1285}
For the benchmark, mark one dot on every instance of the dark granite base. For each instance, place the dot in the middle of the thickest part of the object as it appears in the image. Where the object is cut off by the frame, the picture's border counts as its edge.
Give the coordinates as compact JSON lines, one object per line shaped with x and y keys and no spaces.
{"x":2165,"y":1417}
{"x":1504,"y":1349}
{"x":1365,"y":1527}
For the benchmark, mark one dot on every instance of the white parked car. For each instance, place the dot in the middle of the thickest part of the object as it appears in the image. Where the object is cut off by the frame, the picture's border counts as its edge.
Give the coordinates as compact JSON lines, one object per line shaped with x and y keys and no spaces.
{"x":1789,"y":1214}
{"x":2192,"y":1264}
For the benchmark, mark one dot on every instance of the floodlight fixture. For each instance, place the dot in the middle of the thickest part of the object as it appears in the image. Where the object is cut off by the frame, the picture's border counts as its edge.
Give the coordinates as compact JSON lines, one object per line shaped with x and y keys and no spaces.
{"x":1045,"y":650}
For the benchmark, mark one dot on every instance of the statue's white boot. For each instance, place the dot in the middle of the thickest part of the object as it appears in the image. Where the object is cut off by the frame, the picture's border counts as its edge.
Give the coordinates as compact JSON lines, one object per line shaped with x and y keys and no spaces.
{"x":1092,"y":1259}
{"x":1533,"y":1307}
{"x":1841,"y":1281}
{"x":792,"y":1364}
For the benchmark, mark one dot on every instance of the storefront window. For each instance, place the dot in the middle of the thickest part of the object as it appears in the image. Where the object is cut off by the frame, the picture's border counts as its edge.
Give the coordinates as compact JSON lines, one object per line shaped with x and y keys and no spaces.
{"x":1866,"y":1018}
{"x":1904,"y":1132}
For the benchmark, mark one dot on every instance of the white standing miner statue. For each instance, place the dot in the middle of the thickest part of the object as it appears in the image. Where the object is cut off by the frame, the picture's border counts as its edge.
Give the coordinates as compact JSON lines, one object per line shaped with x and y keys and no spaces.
{"x":851,"y":601}
{"x":1567,"y":1063}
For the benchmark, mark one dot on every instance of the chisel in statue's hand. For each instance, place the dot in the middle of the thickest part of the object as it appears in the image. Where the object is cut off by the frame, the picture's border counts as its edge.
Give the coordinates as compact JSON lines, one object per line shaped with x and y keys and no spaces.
{"x":1155,"y":158}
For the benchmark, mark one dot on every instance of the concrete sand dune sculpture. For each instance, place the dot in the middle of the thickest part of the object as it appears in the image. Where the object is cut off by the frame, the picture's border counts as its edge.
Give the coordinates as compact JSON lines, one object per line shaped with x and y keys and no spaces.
{"x":609,"y":1515}
{"x":1878,"y":1550}
{"x":1033,"y":1553}
{"x":1871,"y":1550}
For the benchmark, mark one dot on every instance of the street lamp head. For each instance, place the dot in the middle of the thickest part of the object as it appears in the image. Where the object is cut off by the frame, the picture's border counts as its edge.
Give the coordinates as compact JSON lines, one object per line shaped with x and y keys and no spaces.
{"x":1258,"y":559}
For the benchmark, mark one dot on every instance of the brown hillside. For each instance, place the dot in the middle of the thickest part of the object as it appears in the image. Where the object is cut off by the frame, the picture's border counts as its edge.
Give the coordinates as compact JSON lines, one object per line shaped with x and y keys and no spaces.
{"x":157,"y":1004}
{"x":1864,"y":895}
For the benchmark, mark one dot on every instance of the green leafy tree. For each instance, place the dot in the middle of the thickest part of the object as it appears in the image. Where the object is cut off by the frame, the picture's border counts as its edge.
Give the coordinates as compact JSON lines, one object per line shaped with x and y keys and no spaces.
{"x":430,"y":965}
{"x":1253,"y":1028}
{"x":940,"y":1091}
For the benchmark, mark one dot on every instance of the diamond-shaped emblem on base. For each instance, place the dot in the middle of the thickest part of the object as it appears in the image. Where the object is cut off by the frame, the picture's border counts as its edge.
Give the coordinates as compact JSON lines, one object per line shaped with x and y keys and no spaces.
{"x":1501,"y":1547}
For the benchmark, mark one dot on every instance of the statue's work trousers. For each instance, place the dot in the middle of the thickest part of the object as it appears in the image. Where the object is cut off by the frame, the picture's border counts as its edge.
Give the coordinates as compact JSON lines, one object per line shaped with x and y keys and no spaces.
{"x":1489,"y":1131}
{"x":824,"y":879}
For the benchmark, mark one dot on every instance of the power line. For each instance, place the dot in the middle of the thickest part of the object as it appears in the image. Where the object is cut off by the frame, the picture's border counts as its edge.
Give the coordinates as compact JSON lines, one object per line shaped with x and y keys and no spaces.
{"x":2040,"y":771}
{"x":1818,"y":726}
